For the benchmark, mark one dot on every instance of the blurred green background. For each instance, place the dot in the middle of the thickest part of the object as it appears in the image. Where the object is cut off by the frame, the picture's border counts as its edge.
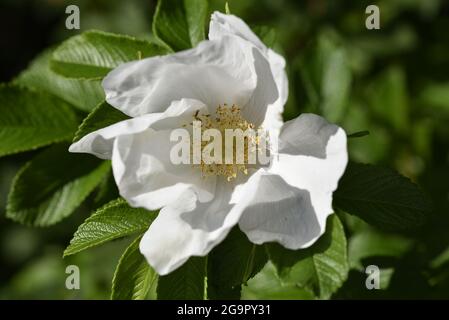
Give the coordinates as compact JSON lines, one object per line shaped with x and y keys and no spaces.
{"x":393,"y":82}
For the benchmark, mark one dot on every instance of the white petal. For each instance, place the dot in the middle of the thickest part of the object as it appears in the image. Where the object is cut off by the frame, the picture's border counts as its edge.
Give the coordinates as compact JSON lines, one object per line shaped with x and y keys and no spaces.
{"x":277,"y":63}
{"x":214,"y":72}
{"x":224,"y":25}
{"x":266,"y":93}
{"x":313,"y":157}
{"x":181,"y":232}
{"x":307,"y":135}
{"x":145,"y":175}
{"x":281,"y":213}
{"x":273,"y":118}
{"x":100,"y":142}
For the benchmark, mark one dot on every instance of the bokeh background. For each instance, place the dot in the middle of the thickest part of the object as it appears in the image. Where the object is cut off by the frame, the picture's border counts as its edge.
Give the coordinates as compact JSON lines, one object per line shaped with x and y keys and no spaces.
{"x":393,"y":82}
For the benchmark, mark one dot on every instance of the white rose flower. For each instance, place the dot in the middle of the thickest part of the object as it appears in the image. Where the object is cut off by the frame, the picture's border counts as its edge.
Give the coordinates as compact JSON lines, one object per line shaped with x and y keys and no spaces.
{"x":287,"y":201}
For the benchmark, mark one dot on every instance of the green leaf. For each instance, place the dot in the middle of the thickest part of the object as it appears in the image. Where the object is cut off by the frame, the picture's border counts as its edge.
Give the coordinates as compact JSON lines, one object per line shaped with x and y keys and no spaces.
{"x":52,"y":185}
{"x":93,"y":54}
{"x":372,"y":243}
{"x":441,"y":260}
{"x":336,"y":84}
{"x":436,"y":96}
{"x":114,"y":220}
{"x":327,"y":76}
{"x":267,"y":285}
{"x":82,"y":94}
{"x":186,"y":282}
{"x":388,"y":98}
{"x":381,"y":197}
{"x":30,"y":120}
{"x":322,"y":268}
{"x":180,"y":24}
{"x":231,"y":264}
{"x":107,"y":191}
{"x":133,"y":277}
{"x":102,"y":116}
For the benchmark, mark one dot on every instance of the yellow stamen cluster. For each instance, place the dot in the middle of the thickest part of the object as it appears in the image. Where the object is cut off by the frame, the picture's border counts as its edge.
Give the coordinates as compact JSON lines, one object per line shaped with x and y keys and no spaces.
{"x":227,"y":118}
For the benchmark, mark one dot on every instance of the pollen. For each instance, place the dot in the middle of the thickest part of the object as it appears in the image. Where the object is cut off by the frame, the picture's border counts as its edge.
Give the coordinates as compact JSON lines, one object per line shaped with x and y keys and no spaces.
{"x":228,"y":117}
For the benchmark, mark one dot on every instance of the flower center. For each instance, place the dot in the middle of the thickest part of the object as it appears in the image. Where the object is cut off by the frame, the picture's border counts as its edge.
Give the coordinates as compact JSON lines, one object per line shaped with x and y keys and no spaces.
{"x":237,"y":150}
